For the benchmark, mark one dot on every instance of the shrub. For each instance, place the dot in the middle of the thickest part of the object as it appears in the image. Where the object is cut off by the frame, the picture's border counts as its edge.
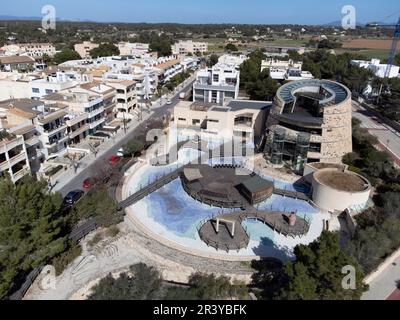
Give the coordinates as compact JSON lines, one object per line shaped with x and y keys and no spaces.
{"x":62,"y":261}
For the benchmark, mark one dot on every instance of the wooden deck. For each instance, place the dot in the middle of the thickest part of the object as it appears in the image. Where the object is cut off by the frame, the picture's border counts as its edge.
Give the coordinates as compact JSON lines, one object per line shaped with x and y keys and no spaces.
{"x":223,"y":240}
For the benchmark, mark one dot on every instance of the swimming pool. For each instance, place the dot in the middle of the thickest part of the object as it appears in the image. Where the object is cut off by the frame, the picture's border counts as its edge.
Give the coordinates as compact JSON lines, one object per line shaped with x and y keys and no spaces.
{"x":171,"y":213}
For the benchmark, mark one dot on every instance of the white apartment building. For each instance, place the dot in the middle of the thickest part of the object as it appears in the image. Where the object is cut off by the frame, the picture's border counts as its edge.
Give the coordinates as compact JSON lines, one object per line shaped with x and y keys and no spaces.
{"x":13,"y":156}
{"x":125,"y":97}
{"x":34,"y":50}
{"x":189,"y":46}
{"x":14,"y":85}
{"x":167,"y":68}
{"x":81,"y":102}
{"x":287,"y":70}
{"x":135,"y":49}
{"x":43,"y":125}
{"x":240,"y":119}
{"x":229,"y":59}
{"x":377,"y":68}
{"x":84,"y":48}
{"x":216,"y":84}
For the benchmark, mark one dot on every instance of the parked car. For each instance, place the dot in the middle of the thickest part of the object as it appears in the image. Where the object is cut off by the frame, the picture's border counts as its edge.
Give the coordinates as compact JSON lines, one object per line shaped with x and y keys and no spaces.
{"x":114,"y":160}
{"x":73,"y":196}
{"x":89,"y":183}
{"x":169,"y":102}
{"x":121,"y":153}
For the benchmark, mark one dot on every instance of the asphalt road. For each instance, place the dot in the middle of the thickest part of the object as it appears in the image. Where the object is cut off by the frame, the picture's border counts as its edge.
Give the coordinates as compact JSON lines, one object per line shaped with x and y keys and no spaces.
{"x":90,"y":171}
{"x":388,"y":137}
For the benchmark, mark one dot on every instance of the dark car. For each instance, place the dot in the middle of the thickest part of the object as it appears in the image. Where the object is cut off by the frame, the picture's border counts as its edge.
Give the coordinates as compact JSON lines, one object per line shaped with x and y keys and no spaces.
{"x":73,"y":196}
{"x":89,"y":183}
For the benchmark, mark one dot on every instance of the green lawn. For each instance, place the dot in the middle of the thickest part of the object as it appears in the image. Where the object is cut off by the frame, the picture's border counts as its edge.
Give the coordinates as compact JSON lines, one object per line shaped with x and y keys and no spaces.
{"x":288,"y":42}
{"x":381,"y":54}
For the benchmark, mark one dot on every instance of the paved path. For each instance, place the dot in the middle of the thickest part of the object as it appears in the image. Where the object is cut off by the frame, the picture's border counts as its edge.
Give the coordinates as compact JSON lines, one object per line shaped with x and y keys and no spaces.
{"x":389,"y":138}
{"x":384,"y":285}
{"x":116,"y":255}
{"x":71,"y":181}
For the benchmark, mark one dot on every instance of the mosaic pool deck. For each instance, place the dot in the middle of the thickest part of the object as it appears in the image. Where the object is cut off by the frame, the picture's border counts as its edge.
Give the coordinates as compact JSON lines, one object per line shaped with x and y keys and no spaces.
{"x":174,"y":215}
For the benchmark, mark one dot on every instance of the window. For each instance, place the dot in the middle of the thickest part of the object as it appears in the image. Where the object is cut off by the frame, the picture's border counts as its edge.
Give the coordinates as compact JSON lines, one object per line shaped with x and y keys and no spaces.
{"x":195,"y":122}
{"x":181,"y":119}
{"x":212,"y":120}
{"x":35,"y":90}
{"x":49,"y":91}
{"x":216,"y":77}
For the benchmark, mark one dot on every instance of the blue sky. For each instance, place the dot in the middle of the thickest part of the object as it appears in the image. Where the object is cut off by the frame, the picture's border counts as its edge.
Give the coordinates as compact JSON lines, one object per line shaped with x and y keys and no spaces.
{"x":206,"y":11}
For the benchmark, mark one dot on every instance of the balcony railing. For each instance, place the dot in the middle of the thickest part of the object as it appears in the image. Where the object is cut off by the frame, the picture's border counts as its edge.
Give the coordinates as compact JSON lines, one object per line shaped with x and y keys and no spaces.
{"x":55,"y":130}
{"x":18,"y":158}
{"x":20,"y":174}
{"x":78,"y":131}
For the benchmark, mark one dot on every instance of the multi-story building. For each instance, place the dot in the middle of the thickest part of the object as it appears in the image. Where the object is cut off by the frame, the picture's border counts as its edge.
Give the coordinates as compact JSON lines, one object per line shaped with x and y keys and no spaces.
{"x":377,"y":67}
{"x":13,"y":156}
{"x":310,"y":121}
{"x":81,"y":102}
{"x":242,"y":119}
{"x":288,"y":70}
{"x":106,"y":92}
{"x":125,"y":96}
{"x":167,"y":68}
{"x":235,"y":60}
{"x":189,"y":46}
{"x":216,"y":84}
{"x":84,"y":48}
{"x":42,"y":125}
{"x":133,"y":49}
{"x":34,"y":50}
{"x":17,"y":63}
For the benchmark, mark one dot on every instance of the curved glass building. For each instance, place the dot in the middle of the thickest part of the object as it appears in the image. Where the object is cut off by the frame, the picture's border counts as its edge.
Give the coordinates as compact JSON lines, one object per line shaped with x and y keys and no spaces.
{"x":310,"y":121}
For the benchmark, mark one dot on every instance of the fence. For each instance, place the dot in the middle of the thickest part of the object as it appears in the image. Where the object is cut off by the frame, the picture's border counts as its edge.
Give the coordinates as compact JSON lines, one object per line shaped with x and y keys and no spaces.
{"x":76,"y":234}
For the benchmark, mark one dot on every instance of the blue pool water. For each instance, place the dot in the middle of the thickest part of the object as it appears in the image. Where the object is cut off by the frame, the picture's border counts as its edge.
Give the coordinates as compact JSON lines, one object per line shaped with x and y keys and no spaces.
{"x":178,"y":214}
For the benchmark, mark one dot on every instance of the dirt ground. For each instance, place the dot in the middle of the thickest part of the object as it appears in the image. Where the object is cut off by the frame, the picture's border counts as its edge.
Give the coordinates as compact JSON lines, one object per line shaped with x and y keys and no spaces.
{"x":369,"y":44}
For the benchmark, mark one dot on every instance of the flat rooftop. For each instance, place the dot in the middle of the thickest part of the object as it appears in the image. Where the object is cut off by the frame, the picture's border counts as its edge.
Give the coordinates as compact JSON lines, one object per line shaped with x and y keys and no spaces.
{"x":343,"y":181}
{"x":233,"y":106}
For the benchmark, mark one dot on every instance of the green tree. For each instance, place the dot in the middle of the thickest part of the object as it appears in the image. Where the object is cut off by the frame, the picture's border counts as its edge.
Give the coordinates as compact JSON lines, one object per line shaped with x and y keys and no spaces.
{"x":98,"y":204}
{"x":208,"y":287}
{"x":160,"y":44}
{"x":145,"y":284}
{"x":212,"y":60}
{"x":66,"y":55}
{"x":231,"y":47}
{"x":31,"y":228}
{"x":317,"y":272}
{"x":133,"y":147}
{"x":104,"y":50}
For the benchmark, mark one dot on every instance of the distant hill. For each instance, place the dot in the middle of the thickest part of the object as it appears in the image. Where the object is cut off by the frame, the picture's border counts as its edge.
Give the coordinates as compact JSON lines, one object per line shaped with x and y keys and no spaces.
{"x":14,"y":18}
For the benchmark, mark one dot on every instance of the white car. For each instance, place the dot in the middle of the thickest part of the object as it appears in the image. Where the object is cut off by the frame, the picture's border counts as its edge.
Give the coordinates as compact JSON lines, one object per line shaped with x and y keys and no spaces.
{"x":121,"y":153}
{"x":169,"y":102}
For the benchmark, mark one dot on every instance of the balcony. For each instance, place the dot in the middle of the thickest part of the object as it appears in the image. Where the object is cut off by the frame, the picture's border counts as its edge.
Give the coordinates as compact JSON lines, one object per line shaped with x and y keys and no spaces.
{"x":96,"y":123}
{"x":96,"y":112}
{"x":49,"y":144}
{"x":18,"y":158}
{"x":32,"y":142}
{"x":76,"y":120}
{"x":20,"y":174}
{"x":54,"y":130}
{"x":4,"y":166}
{"x":222,"y":87}
{"x":78,"y":131}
